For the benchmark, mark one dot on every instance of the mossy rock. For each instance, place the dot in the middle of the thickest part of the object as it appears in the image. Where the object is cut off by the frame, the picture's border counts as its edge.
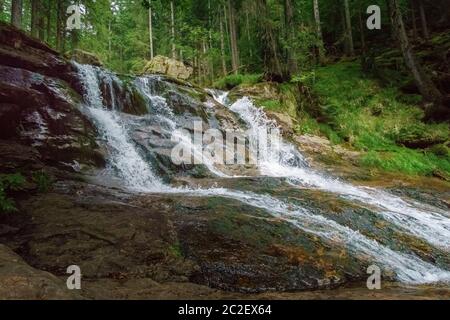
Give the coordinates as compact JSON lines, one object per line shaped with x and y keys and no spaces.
{"x":84,"y":57}
{"x":418,"y":136}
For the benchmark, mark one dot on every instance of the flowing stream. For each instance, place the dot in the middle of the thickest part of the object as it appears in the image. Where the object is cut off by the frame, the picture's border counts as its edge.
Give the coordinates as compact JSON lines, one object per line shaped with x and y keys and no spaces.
{"x":132,"y":166}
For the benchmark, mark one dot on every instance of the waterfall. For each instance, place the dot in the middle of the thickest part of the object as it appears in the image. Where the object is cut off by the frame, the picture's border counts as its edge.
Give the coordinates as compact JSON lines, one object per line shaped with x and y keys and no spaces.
{"x":166,"y":116}
{"x":430,"y":224}
{"x":124,"y":158}
{"x":137,"y":174}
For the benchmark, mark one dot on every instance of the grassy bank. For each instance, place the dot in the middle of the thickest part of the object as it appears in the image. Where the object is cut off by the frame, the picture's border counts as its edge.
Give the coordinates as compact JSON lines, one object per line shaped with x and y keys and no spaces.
{"x":357,"y":111}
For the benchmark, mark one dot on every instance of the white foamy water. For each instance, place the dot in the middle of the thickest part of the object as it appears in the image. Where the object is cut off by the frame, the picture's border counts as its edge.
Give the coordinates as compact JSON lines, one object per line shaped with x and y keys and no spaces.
{"x":408,"y":268}
{"x":137,"y":174}
{"x":124,"y":158}
{"x":427,"y":222}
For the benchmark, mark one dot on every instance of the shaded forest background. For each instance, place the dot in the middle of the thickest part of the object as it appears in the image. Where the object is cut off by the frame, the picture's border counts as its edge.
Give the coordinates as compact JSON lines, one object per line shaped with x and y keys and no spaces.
{"x":224,"y":36}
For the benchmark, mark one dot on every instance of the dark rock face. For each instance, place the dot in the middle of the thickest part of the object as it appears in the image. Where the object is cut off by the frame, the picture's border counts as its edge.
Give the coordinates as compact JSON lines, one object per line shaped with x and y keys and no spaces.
{"x":38,"y":107}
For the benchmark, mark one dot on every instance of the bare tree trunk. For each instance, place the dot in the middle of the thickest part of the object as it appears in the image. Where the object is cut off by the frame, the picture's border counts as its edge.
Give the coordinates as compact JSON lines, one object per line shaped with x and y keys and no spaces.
{"x":424,"y":83}
{"x":150,"y":31}
{"x":348,"y":21}
{"x":172,"y":19}
{"x":16,"y":13}
{"x":361,"y":31}
{"x":49,"y":22}
{"x":320,"y":47}
{"x":292,"y":66}
{"x":59,"y":26}
{"x":248,"y":32}
{"x":233,"y":37}
{"x":109,"y":41}
{"x":317,"y":20}
{"x":222,"y":48}
{"x":210,"y":43}
{"x":414,"y":19}
{"x":35,"y":16}
{"x":274,"y":71}
{"x":423,"y":19}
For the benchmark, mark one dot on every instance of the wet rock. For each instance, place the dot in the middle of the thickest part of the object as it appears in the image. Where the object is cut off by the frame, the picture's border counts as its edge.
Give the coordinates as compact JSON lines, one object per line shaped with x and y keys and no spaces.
{"x":43,"y":111}
{"x":18,"y":280}
{"x":18,"y":50}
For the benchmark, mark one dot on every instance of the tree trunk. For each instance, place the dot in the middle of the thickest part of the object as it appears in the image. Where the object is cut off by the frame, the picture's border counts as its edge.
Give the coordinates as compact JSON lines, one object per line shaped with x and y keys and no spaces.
{"x":292,"y":66}
{"x":233,"y":37}
{"x":172,"y":23}
{"x":414,"y":19}
{"x":423,"y":82}
{"x":320,"y":47}
{"x":273,"y":69}
{"x":317,"y":20}
{"x":423,"y":19}
{"x":361,"y":31}
{"x":49,"y":22}
{"x":35,"y":16}
{"x":16,"y":13}
{"x":59,"y":26}
{"x":249,"y":39}
{"x":109,"y":41}
{"x":150,"y":32}
{"x":222,"y":48}
{"x":348,"y":21}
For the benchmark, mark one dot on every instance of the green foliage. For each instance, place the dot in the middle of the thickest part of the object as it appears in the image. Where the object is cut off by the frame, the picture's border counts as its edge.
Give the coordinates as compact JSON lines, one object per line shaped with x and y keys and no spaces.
{"x":273,"y":105}
{"x":8,"y":183}
{"x":356,"y":110}
{"x":43,"y":180}
{"x":175,"y":250}
{"x":234,"y":80}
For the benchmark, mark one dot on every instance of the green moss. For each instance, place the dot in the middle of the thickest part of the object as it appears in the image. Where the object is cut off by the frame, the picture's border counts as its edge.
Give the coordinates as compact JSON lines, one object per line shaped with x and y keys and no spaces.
{"x":272,"y":105}
{"x":356,"y":110}
{"x":9,"y":183}
{"x":175,"y":250}
{"x":43,"y":180}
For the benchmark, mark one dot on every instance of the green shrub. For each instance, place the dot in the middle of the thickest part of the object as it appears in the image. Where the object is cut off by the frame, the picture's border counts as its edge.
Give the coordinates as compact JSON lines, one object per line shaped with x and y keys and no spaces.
{"x":43,"y":180}
{"x":234,"y":80}
{"x":9,"y":182}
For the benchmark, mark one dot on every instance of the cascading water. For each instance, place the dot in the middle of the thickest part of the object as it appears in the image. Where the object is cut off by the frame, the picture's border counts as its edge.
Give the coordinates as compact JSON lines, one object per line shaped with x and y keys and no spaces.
{"x":430,"y":224}
{"x":139,"y":175}
{"x":124,"y":158}
{"x":166,"y":116}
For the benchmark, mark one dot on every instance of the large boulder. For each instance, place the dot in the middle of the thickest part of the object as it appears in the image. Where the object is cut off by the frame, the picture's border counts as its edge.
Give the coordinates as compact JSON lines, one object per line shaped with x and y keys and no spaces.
{"x":167,"y":66}
{"x":85,"y":57}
